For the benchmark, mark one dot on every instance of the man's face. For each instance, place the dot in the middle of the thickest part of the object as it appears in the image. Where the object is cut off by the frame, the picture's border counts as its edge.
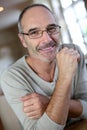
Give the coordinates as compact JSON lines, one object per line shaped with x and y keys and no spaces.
{"x":44,"y":47}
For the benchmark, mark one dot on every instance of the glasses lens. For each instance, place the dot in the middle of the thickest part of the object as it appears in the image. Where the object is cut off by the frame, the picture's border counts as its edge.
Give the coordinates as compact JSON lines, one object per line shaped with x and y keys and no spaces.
{"x":53,"y":29}
{"x":34,"y":33}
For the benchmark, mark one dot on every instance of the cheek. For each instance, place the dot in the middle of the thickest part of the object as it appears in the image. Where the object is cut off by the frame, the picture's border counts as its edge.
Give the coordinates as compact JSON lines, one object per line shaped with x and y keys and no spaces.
{"x":56,"y":38}
{"x":31,"y":46}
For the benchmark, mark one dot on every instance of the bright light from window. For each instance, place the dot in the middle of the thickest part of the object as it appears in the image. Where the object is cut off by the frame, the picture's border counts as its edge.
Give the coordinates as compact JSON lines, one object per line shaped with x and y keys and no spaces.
{"x":77,"y":37}
{"x":83,"y":24}
{"x":76,"y":33}
{"x":66,"y":3}
{"x":75,"y":0}
{"x":80,"y":10}
{"x":56,"y":7}
{"x":74,"y":28}
{"x":86,"y":42}
{"x":69,"y":15}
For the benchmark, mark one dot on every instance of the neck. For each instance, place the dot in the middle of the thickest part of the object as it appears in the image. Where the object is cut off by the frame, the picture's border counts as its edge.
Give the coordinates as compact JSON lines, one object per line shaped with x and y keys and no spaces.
{"x":45,"y":70}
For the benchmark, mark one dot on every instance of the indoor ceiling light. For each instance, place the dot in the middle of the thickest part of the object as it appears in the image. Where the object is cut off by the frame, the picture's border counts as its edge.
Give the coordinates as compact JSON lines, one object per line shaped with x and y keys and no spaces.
{"x":1,"y":8}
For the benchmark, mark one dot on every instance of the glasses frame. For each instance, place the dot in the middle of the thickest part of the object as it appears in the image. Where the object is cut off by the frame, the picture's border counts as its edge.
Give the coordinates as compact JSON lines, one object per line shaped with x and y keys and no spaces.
{"x":23,"y":33}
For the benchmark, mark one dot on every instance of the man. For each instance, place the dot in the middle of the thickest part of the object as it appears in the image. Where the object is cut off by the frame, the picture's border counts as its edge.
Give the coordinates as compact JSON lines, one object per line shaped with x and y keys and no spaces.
{"x":48,"y":86}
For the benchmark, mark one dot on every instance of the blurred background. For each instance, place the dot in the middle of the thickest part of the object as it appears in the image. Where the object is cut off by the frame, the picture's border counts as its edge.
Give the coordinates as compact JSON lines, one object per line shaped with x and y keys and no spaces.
{"x":71,"y":15}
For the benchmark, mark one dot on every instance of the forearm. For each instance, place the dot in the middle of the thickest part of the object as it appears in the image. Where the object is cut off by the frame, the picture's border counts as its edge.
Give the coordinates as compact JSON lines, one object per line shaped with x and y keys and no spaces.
{"x":58,"y":106}
{"x":75,"y":108}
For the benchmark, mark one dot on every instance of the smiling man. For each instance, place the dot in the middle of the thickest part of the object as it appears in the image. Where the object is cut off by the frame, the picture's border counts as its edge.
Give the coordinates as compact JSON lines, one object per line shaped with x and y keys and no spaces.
{"x":48,"y":87}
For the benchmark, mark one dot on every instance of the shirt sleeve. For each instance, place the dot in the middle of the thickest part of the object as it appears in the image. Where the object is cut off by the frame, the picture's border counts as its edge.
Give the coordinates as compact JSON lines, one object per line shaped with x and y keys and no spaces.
{"x":82,"y":91}
{"x":81,"y":87}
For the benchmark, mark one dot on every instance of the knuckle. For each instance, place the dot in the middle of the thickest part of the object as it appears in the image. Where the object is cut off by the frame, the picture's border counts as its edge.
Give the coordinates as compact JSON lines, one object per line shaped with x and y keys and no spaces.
{"x":24,"y":109}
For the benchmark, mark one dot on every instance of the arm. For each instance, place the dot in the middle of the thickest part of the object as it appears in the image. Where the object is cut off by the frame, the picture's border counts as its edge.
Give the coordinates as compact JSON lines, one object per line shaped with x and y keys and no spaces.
{"x":75,"y":108}
{"x":13,"y":96}
{"x":78,"y":106}
{"x":34,"y":105}
{"x":58,"y":107}
{"x":36,"y":112}
{"x":59,"y":103}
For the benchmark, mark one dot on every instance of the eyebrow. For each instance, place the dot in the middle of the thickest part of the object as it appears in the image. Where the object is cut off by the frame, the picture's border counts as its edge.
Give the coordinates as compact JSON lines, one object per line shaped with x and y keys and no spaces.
{"x":32,"y":29}
{"x":51,"y":25}
{"x":36,"y":28}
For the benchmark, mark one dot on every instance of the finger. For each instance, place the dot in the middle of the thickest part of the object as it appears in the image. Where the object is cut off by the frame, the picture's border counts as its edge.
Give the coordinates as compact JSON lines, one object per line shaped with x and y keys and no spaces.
{"x":34,"y":117}
{"x":29,"y":109}
{"x":29,"y":102}
{"x":28,"y":96}
{"x":32,"y":101}
{"x":34,"y":114}
{"x":72,"y":52}
{"x":76,"y":54}
{"x":64,"y":49}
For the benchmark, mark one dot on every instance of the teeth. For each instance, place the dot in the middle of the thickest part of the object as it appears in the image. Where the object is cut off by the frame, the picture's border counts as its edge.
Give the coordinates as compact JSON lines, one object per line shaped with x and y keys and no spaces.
{"x":47,"y":48}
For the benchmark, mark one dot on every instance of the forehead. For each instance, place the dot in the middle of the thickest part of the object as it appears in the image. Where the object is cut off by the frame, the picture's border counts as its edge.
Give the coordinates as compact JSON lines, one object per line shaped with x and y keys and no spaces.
{"x":37,"y":16}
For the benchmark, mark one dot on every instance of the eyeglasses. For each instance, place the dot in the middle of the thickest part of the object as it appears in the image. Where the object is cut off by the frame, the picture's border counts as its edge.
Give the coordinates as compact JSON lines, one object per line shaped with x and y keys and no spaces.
{"x":37,"y":33}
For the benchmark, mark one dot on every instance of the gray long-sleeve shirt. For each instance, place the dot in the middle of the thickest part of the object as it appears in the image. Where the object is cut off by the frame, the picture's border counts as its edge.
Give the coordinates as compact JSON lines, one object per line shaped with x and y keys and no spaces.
{"x":20,"y":80}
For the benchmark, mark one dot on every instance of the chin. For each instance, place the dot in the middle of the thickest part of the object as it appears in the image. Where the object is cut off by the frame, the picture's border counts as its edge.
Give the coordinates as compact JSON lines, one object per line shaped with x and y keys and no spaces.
{"x":45,"y":59}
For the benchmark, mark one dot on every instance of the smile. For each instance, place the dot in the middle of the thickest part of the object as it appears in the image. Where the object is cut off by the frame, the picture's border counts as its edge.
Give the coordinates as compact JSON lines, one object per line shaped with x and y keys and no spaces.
{"x":48,"y":49}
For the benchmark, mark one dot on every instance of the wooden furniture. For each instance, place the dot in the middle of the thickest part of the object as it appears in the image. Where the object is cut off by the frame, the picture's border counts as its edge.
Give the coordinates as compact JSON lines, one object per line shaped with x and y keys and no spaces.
{"x":80,"y":125}
{"x":1,"y":125}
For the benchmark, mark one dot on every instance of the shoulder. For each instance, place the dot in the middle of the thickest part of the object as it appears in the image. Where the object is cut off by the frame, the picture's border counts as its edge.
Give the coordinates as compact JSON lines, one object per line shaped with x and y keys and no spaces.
{"x":14,"y":70}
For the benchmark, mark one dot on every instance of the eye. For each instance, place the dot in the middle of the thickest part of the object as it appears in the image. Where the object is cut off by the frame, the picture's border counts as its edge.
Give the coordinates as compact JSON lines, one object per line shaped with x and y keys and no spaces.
{"x":52,"y":29}
{"x":34,"y":33}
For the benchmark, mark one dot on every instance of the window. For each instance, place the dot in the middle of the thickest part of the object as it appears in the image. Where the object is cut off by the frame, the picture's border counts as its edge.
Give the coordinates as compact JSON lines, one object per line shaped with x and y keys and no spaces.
{"x":75,"y":16}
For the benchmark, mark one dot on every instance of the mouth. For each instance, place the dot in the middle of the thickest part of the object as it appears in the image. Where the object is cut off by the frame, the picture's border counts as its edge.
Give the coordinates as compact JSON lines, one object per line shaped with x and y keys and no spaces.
{"x":47,"y":47}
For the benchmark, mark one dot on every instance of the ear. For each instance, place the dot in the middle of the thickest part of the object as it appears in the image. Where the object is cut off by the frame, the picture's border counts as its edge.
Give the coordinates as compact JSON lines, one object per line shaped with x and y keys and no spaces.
{"x":22,"y":40}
